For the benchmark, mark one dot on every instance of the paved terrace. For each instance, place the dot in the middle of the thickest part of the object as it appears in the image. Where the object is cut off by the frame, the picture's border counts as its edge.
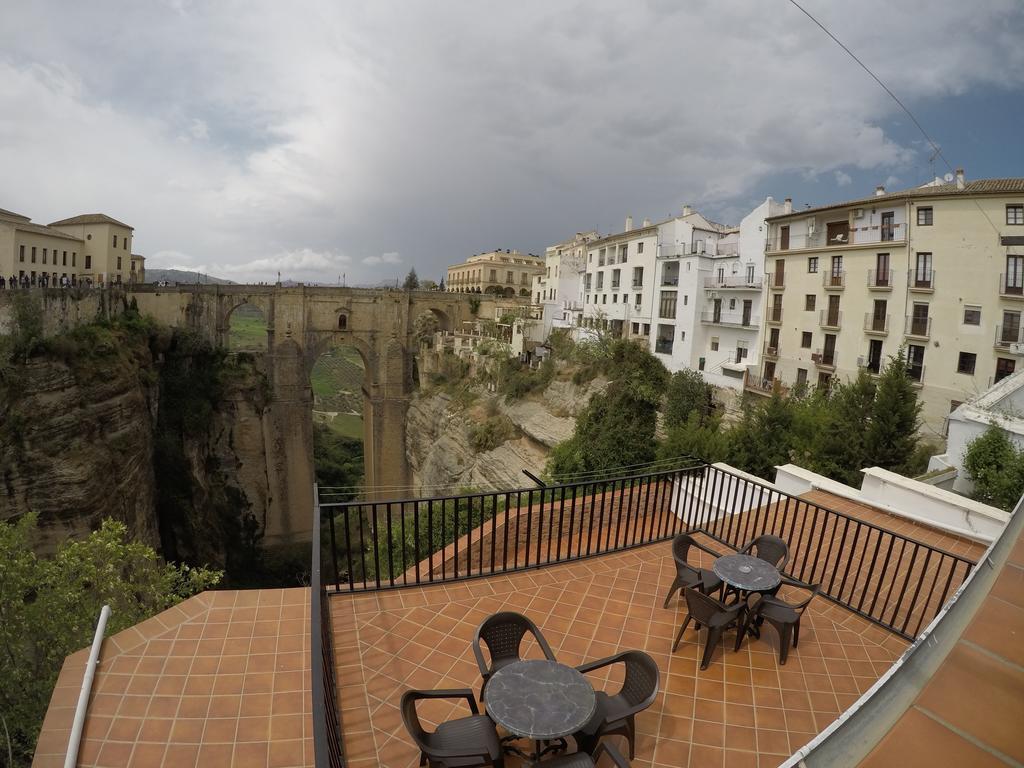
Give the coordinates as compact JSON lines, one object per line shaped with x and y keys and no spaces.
{"x":744,"y":710}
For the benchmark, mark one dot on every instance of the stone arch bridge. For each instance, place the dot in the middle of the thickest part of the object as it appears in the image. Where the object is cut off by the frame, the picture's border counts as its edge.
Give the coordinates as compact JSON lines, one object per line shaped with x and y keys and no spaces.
{"x":302,"y":323}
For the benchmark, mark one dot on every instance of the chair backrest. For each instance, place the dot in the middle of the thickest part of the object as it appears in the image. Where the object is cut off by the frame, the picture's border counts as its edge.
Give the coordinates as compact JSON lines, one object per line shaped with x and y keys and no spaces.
{"x":503,"y":633}
{"x":771,"y":549}
{"x":412,"y":720}
{"x":640,"y":682}
{"x":681,"y":548}
{"x":702,"y":607}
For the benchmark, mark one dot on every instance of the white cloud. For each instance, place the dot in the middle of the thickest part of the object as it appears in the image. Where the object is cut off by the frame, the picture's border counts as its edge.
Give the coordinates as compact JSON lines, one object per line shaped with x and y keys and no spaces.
{"x":384,"y":258}
{"x":446,"y":129}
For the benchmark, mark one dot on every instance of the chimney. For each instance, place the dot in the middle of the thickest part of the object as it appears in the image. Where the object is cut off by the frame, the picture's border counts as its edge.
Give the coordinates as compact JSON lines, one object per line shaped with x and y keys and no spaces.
{"x":959,"y":178}
{"x":629,"y":224}
{"x":687,"y":210}
{"x":879,"y":190}
{"x":647,"y":222}
{"x":787,"y":205}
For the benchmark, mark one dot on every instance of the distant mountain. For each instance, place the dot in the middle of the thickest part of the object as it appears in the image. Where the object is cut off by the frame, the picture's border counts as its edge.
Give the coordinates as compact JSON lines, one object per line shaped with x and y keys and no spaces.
{"x":183,"y":276}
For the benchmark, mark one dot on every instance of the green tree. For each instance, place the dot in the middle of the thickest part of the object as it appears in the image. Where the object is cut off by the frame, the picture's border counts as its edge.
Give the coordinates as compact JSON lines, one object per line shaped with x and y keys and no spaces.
{"x":338,"y":462}
{"x":440,"y":285}
{"x":411,"y":282}
{"x":765,"y":437}
{"x":687,"y":393}
{"x":996,"y":467}
{"x":698,"y":438}
{"x":615,"y":430}
{"x":838,"y":445}
{"x":891,"y":437}
{"x":49,"y":608}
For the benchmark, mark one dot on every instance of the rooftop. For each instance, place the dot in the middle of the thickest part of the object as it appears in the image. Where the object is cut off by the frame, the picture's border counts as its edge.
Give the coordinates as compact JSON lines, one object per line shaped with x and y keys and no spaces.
{"x":978,"y":187}
{"x":89,"y":218}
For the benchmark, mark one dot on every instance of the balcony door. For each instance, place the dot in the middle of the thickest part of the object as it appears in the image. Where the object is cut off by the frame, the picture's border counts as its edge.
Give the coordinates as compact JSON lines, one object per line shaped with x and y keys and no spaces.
{"x":919,"y":320}
{"x":833,"y":311}
{"x":777,"y":307}
{"x":875,"y":355}
{"x":717,"y":315}
{"x":773,"y":340}
{"x":1015,"y":274}
{"x":748,"y":306}
{"x":780,"y":273}
{"x":882,"y":270}
{"x":769,"y":372}
{"x":784,"y":238}
{"x":888,"y":226}
{"x":923,"y":271}
{"x":1011,"y":328}
{"x":878,"y":315}
{"x":1004,"y":367}
{"x":828,"y":355}
{"x":836,"y":273}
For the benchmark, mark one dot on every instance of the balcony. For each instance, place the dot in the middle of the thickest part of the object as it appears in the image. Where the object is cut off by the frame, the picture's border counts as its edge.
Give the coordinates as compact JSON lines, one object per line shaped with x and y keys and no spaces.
{"x":774,"y":315}
{"x":592,"y":571}
{"x":1009,"y":337}
{"x":915,"y":372}
{"x":831,"y":320}
{"x":777,"y":280}
{"x":824,"y":359}
{"x":637,"y":284}
{"x":663,"y":346}
{"x":669,"y":281}
{"x":834,"y":280}
{"x":667,"y":311}
{"x":732,"y":319}
{"x":857,"y":236}
{"x":921,"y":280}
{"x":918,"y":327}
{"x":771,"y":350}
{"x":1012,"y":287}
{"x":877,"y":325}
{"x":733,"y":283}
{"x":880,"y":281}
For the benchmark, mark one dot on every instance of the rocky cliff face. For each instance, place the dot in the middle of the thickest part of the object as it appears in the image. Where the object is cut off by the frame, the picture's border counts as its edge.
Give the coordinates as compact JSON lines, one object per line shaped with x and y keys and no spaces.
{"x":440,"y":451}
{"x":131,"y":425}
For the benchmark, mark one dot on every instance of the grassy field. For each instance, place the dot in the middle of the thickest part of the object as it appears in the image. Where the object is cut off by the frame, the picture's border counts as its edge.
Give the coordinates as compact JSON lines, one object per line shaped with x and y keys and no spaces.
{"x":248,"y":330}
{"x":337,"y":381}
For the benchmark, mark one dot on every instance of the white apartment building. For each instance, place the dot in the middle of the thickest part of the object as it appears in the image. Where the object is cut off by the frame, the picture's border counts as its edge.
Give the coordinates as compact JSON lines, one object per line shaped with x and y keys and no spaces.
{"x":618,"y":284}
{"x":558,"y":290}
{"x":936,"y":270}
{"x":695,"y":296}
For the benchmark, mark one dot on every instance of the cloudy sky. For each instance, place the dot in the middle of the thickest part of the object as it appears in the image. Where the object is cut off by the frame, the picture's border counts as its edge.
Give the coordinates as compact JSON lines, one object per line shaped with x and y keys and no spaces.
{"x":321,"y":138}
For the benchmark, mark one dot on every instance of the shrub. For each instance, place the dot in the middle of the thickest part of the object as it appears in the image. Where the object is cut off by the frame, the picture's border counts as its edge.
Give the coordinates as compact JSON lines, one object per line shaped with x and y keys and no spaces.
{"x":491,"y":433}
{"x":997,"y":468}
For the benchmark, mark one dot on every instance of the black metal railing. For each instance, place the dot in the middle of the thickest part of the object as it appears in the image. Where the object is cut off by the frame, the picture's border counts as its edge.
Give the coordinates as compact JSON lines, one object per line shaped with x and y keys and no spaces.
{"x":891,"y":579}
{"x":328,"y":746}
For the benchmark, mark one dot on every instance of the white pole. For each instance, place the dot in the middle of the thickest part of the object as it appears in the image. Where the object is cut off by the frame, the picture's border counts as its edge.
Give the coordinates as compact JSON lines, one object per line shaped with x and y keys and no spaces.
{"x":83,"y":697}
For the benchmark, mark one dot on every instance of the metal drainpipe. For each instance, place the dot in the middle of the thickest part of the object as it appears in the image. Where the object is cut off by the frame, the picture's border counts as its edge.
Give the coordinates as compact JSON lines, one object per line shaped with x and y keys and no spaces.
{"x":71,"y":759}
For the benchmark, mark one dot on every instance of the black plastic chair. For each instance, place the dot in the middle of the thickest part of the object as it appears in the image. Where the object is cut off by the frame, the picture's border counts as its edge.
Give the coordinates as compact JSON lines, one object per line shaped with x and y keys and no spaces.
{"x":503,"y":634}
{"x":616,"y":713}
{"x":716,"y":616}
{"x":583,"y":760}
{"x":769,"y":548}
{"x":688,"y":575}
{"x":467,"y":742}
{"x":785,"y":617}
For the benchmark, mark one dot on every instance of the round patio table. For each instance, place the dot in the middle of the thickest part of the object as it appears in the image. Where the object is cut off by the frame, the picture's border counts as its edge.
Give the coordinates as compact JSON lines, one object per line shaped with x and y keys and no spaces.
{"x":747,"y":573}
{"x":540,"y":700}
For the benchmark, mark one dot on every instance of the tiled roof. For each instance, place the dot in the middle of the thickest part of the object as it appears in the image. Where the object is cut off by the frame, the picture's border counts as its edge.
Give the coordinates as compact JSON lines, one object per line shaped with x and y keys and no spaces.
{"x":39,"y":229}
{"x":978,"y":187}
{"x":89,"y":218}
{"x":221,"y":679}
{"x":11,"y":214}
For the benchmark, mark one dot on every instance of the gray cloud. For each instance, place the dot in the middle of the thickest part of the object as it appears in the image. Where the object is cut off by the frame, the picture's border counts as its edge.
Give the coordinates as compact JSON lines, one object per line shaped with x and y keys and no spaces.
{"x":315,"y":138}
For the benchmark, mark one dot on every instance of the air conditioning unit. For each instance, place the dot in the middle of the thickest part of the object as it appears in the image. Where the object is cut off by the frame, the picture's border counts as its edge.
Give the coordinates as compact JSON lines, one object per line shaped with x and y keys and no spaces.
{"x":861,"y":362}
{"x":858,"y":213}
{"x":816,"y":357}
{"x":1017,"y":348}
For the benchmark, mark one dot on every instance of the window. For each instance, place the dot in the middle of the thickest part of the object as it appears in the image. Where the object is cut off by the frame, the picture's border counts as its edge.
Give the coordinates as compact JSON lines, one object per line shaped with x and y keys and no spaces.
{"x":682,"y":336}
{"x":124,"y":243}
{"x":44,"y":255}
{"x":1014,"y":283}
{"x":74,"y":257}
{"x":600,"y":281}
{"x":714,"y":343}
{"x":33,"y":254}
{"x":21,"y":253}
{"x":604,"y":298}
{"x":801,"y":377}
{"x":509,"y":277}
{"x":721,"y":274}
{"x":636,"y":329}
{"x":1015,"y":214}
{"x":115,"y":241}
{"x":686,"y":299}
{"x":922,"y":277}
{"x":118,"y":262}
{"x":924,"y":217}
{"x":586,"y":281}
{"x":639,"y":247}
{"x":64,"y":259}
{"x":647,"y":329}
{"x":809,"y":302}
{"x":494,"y":275}
{"x":750,"y":273}
{"x":966,"y":363}
{"x":1004,"y":367}
{"x":615,"y":298}
{"x":615,"y":277}
{"x":812,"y":264}
{"x":915,"y":362}
{"x":638,"y":277}
{"x":972,"y":315}
{"x":806,"y":339}
{"x":88,"y":261}
{"x":88,"y":237}
{"x":732,"y":303}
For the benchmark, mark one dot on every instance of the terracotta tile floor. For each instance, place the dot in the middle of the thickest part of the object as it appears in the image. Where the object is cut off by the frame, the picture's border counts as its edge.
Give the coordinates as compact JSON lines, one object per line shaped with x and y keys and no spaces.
{"x":220,"y":680}
{"x":743,"y":710}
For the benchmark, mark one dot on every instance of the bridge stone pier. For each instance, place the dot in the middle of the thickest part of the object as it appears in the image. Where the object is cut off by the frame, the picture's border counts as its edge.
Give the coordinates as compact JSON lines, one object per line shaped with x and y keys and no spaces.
{"x":302,"y":323}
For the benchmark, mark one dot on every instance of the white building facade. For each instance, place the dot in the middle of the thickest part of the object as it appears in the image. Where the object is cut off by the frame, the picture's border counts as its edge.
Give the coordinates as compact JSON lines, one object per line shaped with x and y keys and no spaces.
{"x":558,"y":292}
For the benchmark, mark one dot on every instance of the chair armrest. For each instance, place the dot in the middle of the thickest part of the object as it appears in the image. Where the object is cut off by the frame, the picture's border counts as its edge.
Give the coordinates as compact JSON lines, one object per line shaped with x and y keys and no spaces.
{"x":747,"y":547}
{"x":614,"y":755}
{"x":590,"y":666}
{"x":548,"y":653}
{"x":446,"y":693}
{"x":813,"y":589}
{"x":480,"y":661}
{"x":705,"y":548}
